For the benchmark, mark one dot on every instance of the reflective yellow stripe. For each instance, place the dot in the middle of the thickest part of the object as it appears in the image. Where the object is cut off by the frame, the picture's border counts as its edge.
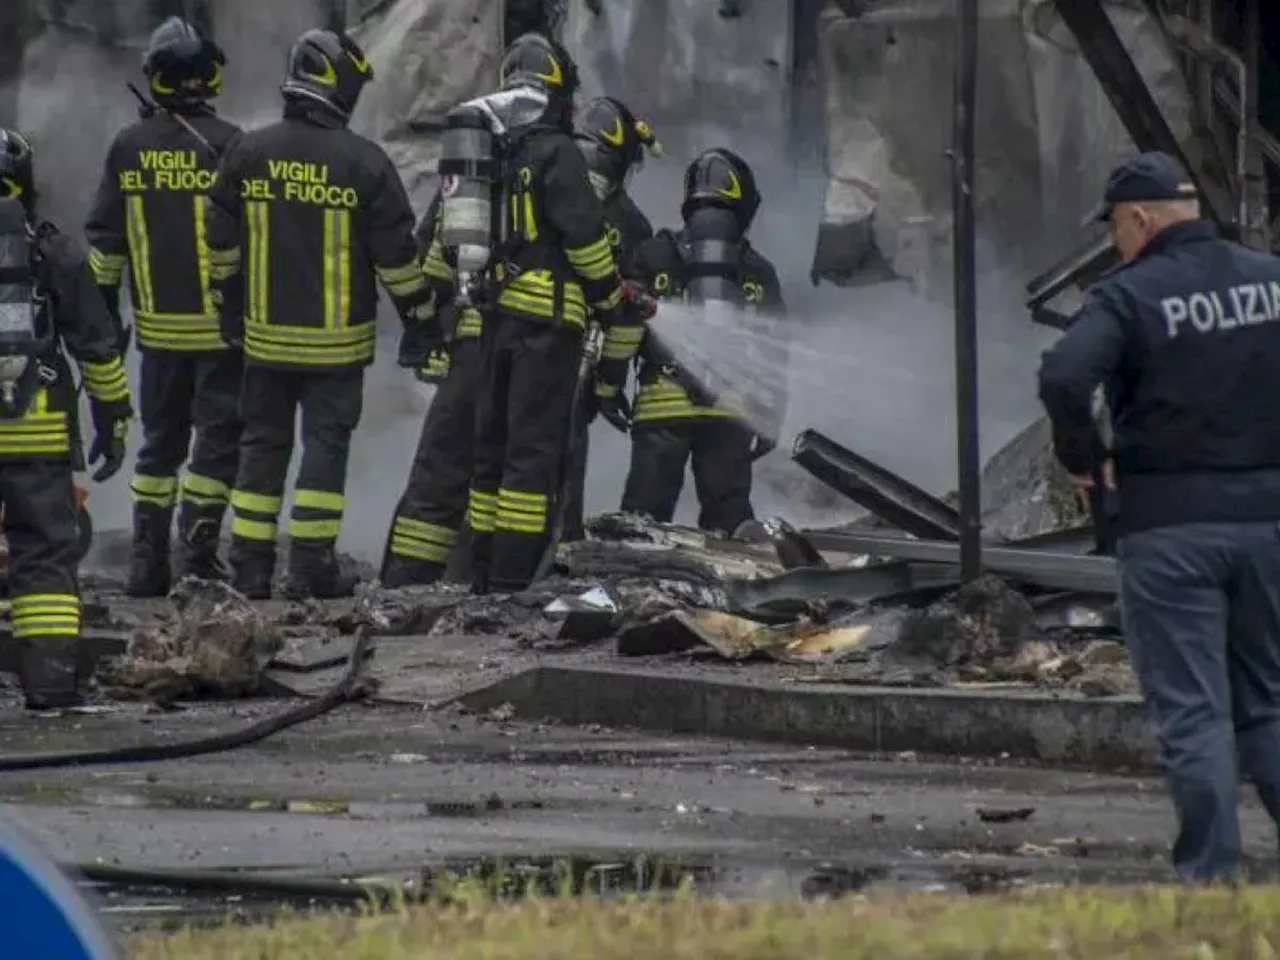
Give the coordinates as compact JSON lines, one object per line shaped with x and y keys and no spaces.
{"x":161,"y":491}
{"x":46,"y":615}
{"x":533,"y":293}
{"x":310,"y":346}
{"x":403,"y":280}
{"x":470,"y":324}
{"x":36,"y":434}
{"x":521,"y":512}
{"x":421,"y":540}
{"x":621,"y":342}
{"x":482,"y":508}
{"x":435,"y":265}
{"x":314,"y":529}
{"x":139,"y":253}
{"x":319,"y":500}
{"x":205,"y":491}
{"x":594,"y":261}
{"x":663,"y":399}
{"x":106,"y":380}
{"x":258,"y":220}
{"x":256,"y":502}
{"x":178,"y":332}
{"x":107,"y":267}
{"x":247,"y":529}
{"x":203,"y":264}
{"x":337,"y":269}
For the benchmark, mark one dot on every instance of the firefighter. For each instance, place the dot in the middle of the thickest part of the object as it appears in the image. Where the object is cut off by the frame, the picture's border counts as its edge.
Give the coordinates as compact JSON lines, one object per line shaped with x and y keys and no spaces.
{"x":48,"y":302}
{"x":614,"y":142}
{"x":430,"y":515}
{"x":306,"y":218}
{"x":553,"y":267}
{"x":149,"y":215}
{"x":723,"y":429}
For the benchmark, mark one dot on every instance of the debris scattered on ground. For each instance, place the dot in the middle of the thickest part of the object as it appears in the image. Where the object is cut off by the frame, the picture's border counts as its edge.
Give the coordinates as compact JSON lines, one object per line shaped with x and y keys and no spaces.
{"x":1003,"y":815}
{"x":218,"y":647}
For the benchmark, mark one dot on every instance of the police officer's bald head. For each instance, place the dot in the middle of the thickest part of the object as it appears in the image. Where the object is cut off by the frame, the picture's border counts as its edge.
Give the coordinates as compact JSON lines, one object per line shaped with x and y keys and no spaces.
{"x":1145,"y":194}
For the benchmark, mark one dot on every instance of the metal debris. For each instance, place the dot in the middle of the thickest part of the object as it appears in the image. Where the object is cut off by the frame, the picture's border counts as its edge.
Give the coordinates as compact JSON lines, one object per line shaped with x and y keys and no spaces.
{"x":1000,"y":815}
{"x":983,"y":621}
{"x":219,"y":646}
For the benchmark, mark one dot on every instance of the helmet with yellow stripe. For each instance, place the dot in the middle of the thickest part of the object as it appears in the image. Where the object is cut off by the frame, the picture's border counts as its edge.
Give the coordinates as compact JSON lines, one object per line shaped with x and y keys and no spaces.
{"x":327,"y":68}
{"x":614,"y":140}
{"x":182,"y":66}
{"x":532,"y":60}
{"x":17,"y":173}
{"x":721,"y":178}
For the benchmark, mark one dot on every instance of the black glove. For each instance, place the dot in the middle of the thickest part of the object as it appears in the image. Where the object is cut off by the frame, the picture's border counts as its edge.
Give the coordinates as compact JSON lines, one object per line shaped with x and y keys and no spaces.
{"x":762,"y":446}
{"x":616,"y":410}
{"x":110,"y":427}
{"x":230,"y":320}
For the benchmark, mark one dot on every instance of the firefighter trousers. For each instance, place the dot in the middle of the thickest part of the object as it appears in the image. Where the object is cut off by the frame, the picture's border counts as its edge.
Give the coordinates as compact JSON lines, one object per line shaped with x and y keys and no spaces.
{"x":330,"y":404}
{"x":433,"y":508}
{"x":41,"y":526}
{"x":181,"y":393}
{"x":720,"y":451}
{"x":522,"y":425}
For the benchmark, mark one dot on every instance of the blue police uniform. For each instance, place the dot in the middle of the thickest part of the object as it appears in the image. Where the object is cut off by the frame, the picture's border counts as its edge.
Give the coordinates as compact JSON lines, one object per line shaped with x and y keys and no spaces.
{"x":1186,"y":340}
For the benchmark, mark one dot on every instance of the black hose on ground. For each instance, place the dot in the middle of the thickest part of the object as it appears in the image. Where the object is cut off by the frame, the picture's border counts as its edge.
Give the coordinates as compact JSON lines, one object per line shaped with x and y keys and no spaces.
{"x":229,"y":882}
{"x":347,"y":689}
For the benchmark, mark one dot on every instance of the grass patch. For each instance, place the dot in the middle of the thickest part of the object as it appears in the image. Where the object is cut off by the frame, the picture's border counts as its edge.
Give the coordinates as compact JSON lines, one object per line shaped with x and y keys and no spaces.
{"x":1085,"y":923}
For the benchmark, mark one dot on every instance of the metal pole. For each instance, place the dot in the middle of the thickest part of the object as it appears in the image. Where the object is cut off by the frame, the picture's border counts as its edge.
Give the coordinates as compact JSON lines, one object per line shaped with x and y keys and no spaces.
{"x":968,"y":459}
{"x":1253,"y":187}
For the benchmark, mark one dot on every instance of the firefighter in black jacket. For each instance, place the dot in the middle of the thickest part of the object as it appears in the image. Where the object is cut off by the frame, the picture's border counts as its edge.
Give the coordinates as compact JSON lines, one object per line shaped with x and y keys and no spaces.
{"x":306,"y":218}
{"x":614,"y":142}
{"x":48,"y":302}
{"x":149,"y":215}
{"x":554,"y":268}
{"x":431,"y":512}
{"x":722,"y":427}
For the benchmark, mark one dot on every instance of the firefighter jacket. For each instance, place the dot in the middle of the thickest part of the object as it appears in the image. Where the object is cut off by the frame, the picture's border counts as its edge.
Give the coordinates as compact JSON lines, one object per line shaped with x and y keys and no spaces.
{"x":666,"y":391}
{"x":150,"y":215}
{"x":627,"y":229}
{"x":556,"y":264}
{"x":304,"y":218}
{"x":73,"y":318}
{"x":459,"y":322}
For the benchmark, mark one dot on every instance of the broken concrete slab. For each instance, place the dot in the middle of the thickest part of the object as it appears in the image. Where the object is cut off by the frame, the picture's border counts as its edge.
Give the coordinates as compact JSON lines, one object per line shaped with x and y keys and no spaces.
{"x":1100,"y":733}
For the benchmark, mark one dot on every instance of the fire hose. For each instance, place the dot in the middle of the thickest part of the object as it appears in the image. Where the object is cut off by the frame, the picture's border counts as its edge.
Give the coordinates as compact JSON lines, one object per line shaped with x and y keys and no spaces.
{"x":347,"y":689}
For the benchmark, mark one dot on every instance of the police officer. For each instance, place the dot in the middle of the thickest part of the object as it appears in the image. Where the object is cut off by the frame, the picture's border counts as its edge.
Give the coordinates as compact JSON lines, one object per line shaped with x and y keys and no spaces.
{"x":306,"y":216}
{"x":614,"y":142}
{"x":48,"y":302}
{"x":149,"y":214}
{"x":1185,"y":338}
{"x":555,"y":266}
{"x":430,"y":515}
{"x":678,"y":418}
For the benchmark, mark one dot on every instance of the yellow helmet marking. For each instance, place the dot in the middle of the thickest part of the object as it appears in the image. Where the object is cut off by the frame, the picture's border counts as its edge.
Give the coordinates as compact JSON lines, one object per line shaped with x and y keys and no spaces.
{"x":617,"y":135}
{"x":734,"y":190}
{"x":160,"y":88}
{"x":330,"y":76}
{"x":361,"y":64}
{"x":13,"y":189}
{"x":556,"y":77}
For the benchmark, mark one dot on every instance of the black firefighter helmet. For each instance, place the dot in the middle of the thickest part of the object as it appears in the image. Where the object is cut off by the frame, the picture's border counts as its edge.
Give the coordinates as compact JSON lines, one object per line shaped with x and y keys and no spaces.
{"x":721,"y":178}
{"x":534,"y":61}
{"x":328,"y":69}
{"x":613,"y":139}
{"x":17,"y":175}
{"x":182,"y":65}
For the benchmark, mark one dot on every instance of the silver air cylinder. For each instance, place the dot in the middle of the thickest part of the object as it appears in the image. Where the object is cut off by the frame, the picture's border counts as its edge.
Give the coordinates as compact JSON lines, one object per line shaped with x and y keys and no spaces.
{"x":469,"y":190}
{"x":712,"y":287}
{"x":17,"y":297}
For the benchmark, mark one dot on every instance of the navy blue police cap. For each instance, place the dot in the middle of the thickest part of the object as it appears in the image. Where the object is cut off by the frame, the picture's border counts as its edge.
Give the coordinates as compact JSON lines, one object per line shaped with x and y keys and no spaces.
{"x":1150,"y":176}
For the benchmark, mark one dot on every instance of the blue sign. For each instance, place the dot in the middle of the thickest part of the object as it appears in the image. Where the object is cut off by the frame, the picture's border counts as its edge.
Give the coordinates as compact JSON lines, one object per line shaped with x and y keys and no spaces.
{"x":46,"y":917}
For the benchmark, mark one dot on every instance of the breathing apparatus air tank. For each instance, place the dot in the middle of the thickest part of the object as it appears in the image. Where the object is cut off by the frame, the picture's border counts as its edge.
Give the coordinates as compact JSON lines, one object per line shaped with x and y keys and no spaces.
{"x":712,"y":246}
{"x":18,"y":307}
{"x":469,"y":179}
{"x":477,"y":138}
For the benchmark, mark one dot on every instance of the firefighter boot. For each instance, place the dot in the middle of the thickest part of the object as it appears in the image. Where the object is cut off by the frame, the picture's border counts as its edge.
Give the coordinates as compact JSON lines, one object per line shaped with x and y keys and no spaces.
{"x":149,"y":572}
{"x":49,"y":671}
{"x":252,"y":569}
{"x":399,"y":572}
{"x":198,"y":535}
{"x":314,"y":572}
